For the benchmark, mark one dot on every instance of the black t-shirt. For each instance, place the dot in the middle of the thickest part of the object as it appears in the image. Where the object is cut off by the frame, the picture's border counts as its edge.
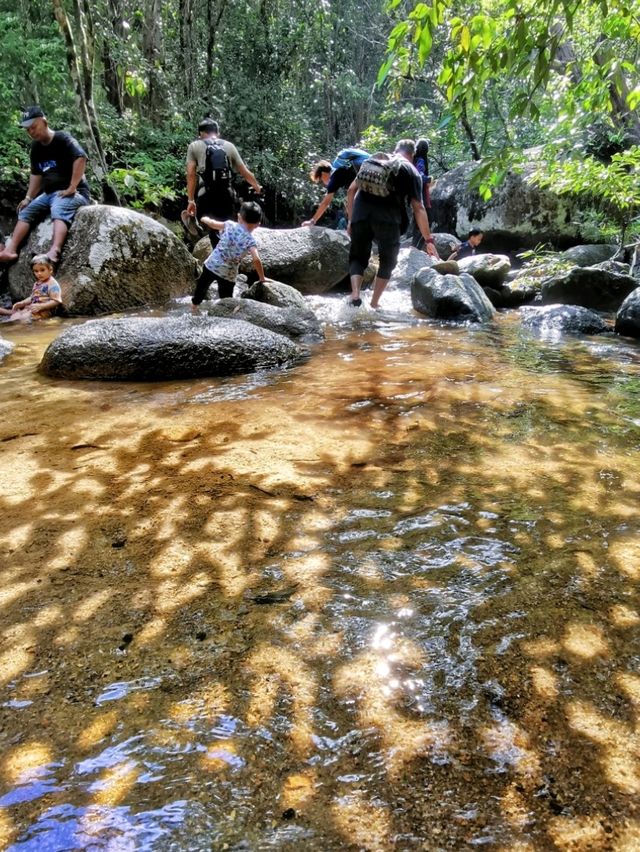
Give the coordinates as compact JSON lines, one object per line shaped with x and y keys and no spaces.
{"x":392,"y":208}
{"x":341,"y":178}
{"x":54,"y":162}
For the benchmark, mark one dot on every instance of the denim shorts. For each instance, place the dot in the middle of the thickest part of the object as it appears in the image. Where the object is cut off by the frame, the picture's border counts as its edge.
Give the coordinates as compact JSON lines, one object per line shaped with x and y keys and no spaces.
{"x":51,"y":203}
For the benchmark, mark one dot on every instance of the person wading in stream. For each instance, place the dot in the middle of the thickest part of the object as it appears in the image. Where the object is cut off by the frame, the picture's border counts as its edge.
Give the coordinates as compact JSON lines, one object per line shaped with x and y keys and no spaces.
{"x":377,"y":211}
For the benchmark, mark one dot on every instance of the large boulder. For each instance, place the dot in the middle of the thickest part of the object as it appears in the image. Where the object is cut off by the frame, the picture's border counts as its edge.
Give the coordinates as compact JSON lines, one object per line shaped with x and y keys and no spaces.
{"x":569,"y":319}
{"x":588,"y":255}
{"x":292,"y":322}
{"x":114,"y":259}
{"x":450,"y":297}
{"x":410,"y":262}
{"x":162,"y":348}
{"x":628,"y":317}
{"x":311,"y":259}
{"x":517,"y":214}
{"x":590,"y":287}
{"x":489,"y":270}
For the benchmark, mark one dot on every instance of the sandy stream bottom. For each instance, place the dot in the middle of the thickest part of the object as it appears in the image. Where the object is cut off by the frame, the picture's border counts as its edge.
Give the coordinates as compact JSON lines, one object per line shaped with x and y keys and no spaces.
{"x":140,"y":530}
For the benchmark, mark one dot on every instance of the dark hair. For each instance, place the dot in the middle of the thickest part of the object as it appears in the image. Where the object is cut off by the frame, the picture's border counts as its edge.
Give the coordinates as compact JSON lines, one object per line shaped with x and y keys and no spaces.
{"x":422,"y":153}
{"x":319,"y":168}
{"x":251,"y":212}
{"x":208,"y":125}
{"x":475,"y":232}
{"x":406,"y":146}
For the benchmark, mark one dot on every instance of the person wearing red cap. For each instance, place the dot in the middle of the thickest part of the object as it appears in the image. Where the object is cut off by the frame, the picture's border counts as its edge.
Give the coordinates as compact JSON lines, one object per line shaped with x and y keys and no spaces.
{"x":57,"y":184}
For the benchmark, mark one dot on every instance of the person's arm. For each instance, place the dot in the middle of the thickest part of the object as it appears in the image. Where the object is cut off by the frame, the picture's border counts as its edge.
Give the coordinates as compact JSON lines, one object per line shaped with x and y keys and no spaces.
{"x":212,"y":224}
{"x":49,"y":305}
{"x":257,"y":264}
{"x":77,"y":173}
{"x":351,"y":194}
{"x":18,"y":306}
{"x":422,"y":221}
{"x":192,"y":187}
{"x":33,"y":191}
{"x":249,"y":177}
{"x":322,"y":208}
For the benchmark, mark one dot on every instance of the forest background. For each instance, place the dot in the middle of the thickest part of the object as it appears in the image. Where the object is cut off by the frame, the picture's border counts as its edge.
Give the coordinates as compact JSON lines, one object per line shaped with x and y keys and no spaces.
{"x":294,"y":80}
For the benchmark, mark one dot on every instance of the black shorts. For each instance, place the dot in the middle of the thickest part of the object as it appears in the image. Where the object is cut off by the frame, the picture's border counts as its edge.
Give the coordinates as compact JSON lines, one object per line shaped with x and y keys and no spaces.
{"x":386,"y":235}
{"x":220,"y":206}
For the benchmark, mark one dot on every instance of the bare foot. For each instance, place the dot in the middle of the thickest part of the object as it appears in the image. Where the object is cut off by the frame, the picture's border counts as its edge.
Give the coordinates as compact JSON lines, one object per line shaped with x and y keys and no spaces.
{"x":7,"y":255}
{"x":195,"y":309}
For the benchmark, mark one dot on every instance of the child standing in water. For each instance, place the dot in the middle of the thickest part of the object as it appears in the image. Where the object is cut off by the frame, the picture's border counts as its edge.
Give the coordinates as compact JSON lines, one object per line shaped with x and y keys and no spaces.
{"x":222,"y":264}
{"x":45,"y":298}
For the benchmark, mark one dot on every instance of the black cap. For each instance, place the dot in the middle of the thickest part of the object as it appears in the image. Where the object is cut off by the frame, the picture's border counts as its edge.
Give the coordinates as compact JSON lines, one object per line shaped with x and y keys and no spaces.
{"x":30,"y":114}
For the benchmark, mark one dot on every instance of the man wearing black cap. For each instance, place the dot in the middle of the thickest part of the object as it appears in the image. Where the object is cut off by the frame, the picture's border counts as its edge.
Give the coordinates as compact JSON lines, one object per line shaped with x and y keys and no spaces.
{"x":209,"y":190}
{"x":57,"y":185}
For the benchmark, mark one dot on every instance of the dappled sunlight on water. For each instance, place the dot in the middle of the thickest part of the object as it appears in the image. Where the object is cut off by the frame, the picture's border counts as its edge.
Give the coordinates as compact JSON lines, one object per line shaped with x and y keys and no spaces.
{"x":386,"y":599}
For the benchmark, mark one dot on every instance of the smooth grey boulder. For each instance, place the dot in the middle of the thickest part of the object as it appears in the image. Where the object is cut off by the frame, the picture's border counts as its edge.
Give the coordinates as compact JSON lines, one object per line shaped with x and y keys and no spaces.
{"x":275,"y":293}
{"x":292,"y":322}
{"x":489,"y":270}
{"x":517,"y":214}
{"x":628,"y":317}
{"x":164,"y":348}
{"x":589,"y":255}
{"x":311,"y":259}
{"x":590,"y":287}
{"x":444,"y":243}
{"x":450,"y":297}
{"x":114,"y":259}
{"x":410,"y":262}
{"x":570,"y":319}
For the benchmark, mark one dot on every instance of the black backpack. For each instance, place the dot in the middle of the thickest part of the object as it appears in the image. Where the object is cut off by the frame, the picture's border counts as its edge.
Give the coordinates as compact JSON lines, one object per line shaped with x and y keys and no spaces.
{"x":217,"y":171}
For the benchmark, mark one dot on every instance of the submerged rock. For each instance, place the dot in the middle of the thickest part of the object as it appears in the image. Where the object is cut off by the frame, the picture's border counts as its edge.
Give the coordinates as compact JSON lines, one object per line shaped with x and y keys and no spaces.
{"x":450,"y":297}
{"x":162,"y":348}
{"x":570,"y":319}
{"x":114,"y":260}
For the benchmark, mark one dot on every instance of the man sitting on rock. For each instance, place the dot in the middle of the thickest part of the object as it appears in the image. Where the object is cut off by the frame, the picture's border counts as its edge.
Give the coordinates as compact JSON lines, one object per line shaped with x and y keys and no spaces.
{"x":57,"y":185}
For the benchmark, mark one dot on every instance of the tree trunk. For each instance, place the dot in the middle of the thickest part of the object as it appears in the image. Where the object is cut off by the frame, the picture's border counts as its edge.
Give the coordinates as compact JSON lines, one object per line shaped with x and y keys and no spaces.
{"x":81,"y":71}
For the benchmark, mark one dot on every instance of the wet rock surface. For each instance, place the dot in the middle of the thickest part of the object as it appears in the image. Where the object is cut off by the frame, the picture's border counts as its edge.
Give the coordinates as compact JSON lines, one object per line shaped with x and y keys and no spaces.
{"x":590,"y":287}
{"x":160,"y":348}
{"x":292,"y":322}
{"x":628,"y":317}
{"x":458,"y":298}
{"x":570,"y":319}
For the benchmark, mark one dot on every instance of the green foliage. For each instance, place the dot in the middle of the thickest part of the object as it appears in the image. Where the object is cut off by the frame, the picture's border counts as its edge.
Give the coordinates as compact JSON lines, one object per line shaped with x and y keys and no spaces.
{"x":613,"y":188}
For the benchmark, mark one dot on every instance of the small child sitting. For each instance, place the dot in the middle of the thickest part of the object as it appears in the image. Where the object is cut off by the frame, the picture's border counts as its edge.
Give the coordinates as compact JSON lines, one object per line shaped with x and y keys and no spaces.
{"x":236,"y":240}
{"x":45,"y":299}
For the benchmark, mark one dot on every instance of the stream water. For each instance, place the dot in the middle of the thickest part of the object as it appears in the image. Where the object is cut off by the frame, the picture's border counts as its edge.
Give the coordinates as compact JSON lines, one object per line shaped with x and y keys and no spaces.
{"x":422,"y":633}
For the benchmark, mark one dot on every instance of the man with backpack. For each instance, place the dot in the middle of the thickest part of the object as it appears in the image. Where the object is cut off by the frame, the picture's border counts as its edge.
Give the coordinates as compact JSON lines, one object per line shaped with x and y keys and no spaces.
{"x":336,"y":175}
{"x":210,"y":161}
{"x":376,"y":205}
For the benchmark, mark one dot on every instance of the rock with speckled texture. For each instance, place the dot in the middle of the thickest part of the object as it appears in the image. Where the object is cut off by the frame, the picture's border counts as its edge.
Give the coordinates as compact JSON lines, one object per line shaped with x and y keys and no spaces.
{"x":114,"y":259}
{"x":163,"y":348}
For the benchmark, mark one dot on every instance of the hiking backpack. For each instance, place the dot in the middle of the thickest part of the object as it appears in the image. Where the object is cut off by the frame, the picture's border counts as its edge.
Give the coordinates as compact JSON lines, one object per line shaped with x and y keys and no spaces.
{"x":217,"y":171}
{"x":349,"y":158}
{"x":377,"y":176}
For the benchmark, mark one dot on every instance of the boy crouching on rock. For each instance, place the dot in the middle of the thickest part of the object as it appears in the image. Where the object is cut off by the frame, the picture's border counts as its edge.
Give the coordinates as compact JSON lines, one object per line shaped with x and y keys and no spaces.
{"x":236,"y":240}
{"x":45,"y":299}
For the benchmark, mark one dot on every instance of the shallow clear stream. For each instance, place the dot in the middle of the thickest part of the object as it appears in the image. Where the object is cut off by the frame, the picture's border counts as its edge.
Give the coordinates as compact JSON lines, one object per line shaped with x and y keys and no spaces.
{"x":424,"y":634}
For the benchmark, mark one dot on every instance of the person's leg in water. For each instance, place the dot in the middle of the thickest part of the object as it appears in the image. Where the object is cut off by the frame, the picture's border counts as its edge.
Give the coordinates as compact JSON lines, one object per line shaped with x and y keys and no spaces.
{"x":387,"y":236}
{"x":359,"y":254}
